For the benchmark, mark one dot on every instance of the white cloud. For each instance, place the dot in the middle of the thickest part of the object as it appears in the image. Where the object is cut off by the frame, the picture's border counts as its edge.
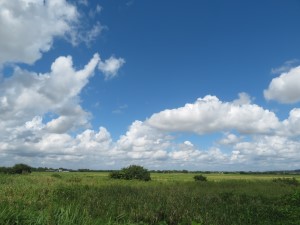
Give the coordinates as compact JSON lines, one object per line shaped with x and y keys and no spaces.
{"x":291,"y":126}
{"x":25,"y":95}
{"x":143,"y":142}
{"x":269,"y":152}
{"x":110,"y":67}
{"x":68,"y":122}
{"x":285,"y":88}
{"x":229,"y":139}
{"x":89,"y":140}
{"x":37,"y":23}
{"x":243,"y":99}
{"x":209,"y":114}
{"x":187,"y":155}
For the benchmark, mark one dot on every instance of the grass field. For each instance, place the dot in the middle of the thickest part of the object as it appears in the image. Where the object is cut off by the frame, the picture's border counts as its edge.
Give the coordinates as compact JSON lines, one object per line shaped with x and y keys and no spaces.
{"x":93,"y":198}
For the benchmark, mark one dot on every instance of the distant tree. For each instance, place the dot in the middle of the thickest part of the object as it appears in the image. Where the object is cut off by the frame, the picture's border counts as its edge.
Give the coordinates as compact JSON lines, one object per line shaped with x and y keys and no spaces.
{"x":5,"y":169}
{"x":20,"y":169}
{"x":132,"y":172}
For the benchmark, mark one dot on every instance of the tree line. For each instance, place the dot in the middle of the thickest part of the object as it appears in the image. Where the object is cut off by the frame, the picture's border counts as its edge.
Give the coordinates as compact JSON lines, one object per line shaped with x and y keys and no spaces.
{"x":16,"y":169}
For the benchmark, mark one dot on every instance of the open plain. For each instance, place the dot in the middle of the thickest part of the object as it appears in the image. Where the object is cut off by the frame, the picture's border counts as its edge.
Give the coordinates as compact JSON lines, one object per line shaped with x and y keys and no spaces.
{"x":172,"y":198}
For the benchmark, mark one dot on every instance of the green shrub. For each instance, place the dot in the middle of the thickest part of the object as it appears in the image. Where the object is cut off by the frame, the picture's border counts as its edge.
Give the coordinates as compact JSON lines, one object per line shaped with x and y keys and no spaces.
{"x":116,"y":175}
{"x":131,"y":172}
{"x":200,"y":178}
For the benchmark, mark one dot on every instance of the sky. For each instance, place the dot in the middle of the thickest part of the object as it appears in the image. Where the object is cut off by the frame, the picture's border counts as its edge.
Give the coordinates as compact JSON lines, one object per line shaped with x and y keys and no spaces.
{"x":197,"y":85}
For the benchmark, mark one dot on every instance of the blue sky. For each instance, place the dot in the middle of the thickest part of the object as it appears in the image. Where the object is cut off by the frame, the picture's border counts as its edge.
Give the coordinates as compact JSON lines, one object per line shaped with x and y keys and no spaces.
{"x":198,"y":85}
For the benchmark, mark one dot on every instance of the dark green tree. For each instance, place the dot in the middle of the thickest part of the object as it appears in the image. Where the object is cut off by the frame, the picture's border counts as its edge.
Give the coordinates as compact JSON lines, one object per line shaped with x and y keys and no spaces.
{"x":20,"y":169}
{"x":5,"y":169}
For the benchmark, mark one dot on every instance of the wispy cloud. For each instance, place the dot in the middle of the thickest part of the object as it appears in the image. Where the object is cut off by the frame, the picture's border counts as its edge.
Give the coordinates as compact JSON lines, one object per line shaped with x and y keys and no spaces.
{"x":285,"y":67}
{"x":120,"y":109}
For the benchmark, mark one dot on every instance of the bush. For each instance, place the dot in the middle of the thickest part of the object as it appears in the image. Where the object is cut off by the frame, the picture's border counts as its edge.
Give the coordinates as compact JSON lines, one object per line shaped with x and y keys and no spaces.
{"x":132,"y":172}
{"x":116,"y":175}
{"x":20,"y":169}
{"x":200,"y":178}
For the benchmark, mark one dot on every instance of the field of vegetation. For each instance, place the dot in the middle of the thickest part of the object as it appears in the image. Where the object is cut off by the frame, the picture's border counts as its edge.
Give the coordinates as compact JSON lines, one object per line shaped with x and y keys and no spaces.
{"x":175,"y":198}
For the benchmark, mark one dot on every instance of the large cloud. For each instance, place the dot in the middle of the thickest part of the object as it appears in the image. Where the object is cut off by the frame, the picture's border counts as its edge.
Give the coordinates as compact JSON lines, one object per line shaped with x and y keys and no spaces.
{"x":28,"y":27}
{"x":209,"y":114}
{"x":285,"y":88}
{"x":25,"y":95}
{"x":269,"y":152}
{"x":32,"y":143}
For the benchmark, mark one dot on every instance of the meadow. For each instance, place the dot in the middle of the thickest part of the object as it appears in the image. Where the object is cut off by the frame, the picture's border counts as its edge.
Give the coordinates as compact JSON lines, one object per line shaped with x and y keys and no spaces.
{"x":175,"y":198}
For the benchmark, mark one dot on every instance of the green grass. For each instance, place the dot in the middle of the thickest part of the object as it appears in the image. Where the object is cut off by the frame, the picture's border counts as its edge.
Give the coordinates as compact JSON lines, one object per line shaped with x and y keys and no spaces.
{"x":93,"y":198}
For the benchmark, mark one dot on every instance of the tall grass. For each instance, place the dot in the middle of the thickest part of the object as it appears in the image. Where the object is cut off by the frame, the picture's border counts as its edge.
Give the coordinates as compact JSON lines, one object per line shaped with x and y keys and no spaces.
{"x":92,"y":199}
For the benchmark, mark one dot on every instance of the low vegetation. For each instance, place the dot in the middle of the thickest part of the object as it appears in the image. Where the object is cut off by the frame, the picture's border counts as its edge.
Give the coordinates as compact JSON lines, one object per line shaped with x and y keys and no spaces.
{"x":95,"y":198}
{"x":287,"y":181}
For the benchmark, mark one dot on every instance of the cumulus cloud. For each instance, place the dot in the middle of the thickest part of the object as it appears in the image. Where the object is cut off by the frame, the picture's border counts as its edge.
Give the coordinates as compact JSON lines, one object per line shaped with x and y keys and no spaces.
{"x":37,"y":23}
{"x":99,"y":141}
{"x":285,"y":88}
{"x":209,"y":114}
{"x":26,"y":94}
{"x":89,"y":147}
{"x":291,"y":126}
{"x":144,"y":142}
{"x":269,"y":151}
{"x":110,"y":67}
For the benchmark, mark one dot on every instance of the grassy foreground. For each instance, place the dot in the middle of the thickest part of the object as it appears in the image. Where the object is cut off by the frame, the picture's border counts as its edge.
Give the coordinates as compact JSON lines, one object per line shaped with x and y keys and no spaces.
{"x":93,"y":198}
